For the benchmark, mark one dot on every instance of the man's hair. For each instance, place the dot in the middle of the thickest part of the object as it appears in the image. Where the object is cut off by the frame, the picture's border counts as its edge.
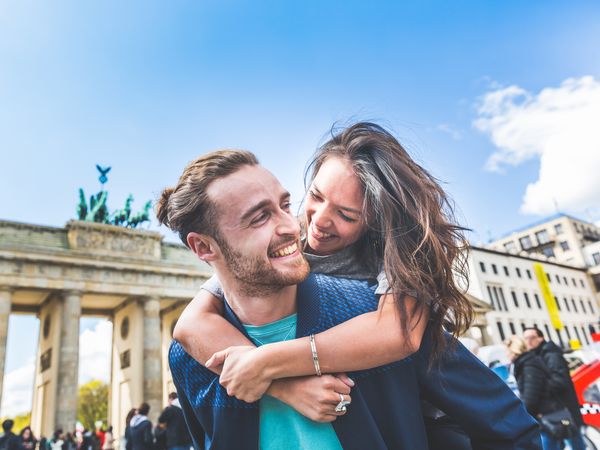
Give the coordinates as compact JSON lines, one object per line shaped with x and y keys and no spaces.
{"x":186,"y":207}
{"x":172,"y":395}
{"x":7,"y":425}
{"x":144,"y":409}
{"x":536,"y":329}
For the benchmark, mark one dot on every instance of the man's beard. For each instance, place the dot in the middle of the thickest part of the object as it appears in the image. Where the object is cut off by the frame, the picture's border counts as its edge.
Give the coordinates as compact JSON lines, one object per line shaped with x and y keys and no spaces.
{"x":257,"y":277}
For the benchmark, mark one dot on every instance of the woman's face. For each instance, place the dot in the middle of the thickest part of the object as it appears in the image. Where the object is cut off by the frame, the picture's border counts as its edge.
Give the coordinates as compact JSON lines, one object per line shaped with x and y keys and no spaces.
{"x":26,"y":434}
{"x":333,"y":208}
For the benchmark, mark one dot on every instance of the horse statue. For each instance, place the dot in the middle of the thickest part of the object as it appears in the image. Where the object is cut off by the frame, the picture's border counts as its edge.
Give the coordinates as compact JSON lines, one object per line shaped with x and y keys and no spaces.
{"x":121,"y":216}
{"x":140,"y":216}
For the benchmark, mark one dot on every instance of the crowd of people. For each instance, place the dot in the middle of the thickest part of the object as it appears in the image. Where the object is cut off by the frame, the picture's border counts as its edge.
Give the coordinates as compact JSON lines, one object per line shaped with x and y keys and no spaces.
{"x":546,"y":389}
{"x":170,"y":433}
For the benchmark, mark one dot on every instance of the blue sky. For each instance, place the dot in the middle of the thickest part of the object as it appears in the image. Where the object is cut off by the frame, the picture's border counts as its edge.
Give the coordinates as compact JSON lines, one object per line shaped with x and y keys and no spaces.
{"x":146,"y":86}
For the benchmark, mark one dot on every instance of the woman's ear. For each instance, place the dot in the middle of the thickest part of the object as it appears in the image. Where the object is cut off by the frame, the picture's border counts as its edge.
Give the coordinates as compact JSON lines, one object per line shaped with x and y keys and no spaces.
{"x":203,"y":246}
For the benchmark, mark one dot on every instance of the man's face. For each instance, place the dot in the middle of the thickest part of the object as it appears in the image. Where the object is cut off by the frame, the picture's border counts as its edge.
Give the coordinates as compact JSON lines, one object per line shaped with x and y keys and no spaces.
{"x":532,"y":340}
{"x":257,"y":234}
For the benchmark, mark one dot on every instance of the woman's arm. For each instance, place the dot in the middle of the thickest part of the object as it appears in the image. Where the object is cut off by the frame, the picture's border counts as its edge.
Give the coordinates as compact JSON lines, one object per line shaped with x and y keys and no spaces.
{"x":369,"y":340}
{"x":202,"y":330}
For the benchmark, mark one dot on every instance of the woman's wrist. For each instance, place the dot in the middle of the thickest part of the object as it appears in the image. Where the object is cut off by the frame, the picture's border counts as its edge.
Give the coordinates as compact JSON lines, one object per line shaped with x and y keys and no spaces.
{"x":287,"y":359}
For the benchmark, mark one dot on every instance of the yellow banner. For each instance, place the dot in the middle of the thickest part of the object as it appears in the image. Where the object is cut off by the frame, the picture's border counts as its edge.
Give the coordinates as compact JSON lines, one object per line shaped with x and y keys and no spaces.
{"x":548,"y":297}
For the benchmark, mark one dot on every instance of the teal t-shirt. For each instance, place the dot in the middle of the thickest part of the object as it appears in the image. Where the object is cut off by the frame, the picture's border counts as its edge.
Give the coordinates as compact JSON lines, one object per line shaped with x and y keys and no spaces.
{"x":282,"y":427}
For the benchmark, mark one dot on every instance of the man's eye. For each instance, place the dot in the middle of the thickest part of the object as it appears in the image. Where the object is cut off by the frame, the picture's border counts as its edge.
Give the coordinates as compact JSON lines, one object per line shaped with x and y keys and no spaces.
{"x":286,"y":206}
{"x":264,"y":216}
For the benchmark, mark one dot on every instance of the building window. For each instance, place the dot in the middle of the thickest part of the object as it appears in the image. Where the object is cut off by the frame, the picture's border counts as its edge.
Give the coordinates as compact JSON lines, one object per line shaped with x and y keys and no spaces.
{"x":523,"y":326}
{"x":573,"y":281}
{"x":587,"y":341}
{"x":527,"y":299}
{"x":528,"y":273}
{"x":514,"y":297}
{"x":548,"y":336}
{"x":558,"y":228}
{"x":574,"y":305}
{"x":525,"y":242}
{"x":512,"y":328}
{"x":582,"y":306}
{"x":549,"y":277}
{"x":537,"y":301}
{"x":565,"y":280}
{"x":482,"y":266}
{"x":581,"y":282}
{"x":577,"y":333}
{"x":557,"y":302}
{"x":542,"y":237}
{"x":557,"y":278}
{"x":568,"y":332}
{"x":502,"y":298}
{"x":518,"y":272}
{"x":596,"y":258}
{"x":510,"y":246}
{"x":576,"y":225}
{"x":506,"y":271}
{"x":566,"y":304}
{"x":501,"y":331}
{"x":489,"y":289}
{"x":564,"y":245}
{"x":494,"y":269}
{"x":592,"y":310}
{"x":548,"y":251}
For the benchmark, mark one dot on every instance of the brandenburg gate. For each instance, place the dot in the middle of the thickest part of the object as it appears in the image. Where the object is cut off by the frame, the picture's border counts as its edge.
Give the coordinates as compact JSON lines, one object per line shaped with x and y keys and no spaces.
{"x":127,"y":275}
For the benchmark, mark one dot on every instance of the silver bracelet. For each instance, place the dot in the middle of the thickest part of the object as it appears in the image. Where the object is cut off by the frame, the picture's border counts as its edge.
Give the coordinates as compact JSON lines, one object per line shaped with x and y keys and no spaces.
{"x":315,"y":356}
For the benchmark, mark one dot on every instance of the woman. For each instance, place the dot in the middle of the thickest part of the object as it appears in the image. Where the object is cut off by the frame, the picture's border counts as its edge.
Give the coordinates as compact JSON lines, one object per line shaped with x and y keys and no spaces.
{"x":532,"y":381}
{"x":371,"y":212}
{"x":26,"y":439}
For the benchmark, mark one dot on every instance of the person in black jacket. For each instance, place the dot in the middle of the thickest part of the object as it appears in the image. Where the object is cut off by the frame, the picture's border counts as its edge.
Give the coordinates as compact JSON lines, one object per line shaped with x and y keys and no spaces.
{"x":139,"y":433}
{"x":534,"y":388}
{"x":178,"y":437}
{"x":559,"y":379}
{"x":8,"y":439}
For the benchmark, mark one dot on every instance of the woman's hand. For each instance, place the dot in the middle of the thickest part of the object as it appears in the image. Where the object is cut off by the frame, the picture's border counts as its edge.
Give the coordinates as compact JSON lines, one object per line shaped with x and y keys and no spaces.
{"x":243,"y":372}
{"x":314,"y":397}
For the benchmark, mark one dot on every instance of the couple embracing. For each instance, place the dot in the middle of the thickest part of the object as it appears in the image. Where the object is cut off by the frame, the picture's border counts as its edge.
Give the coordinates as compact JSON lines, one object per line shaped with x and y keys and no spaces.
{"x":338,"y":332}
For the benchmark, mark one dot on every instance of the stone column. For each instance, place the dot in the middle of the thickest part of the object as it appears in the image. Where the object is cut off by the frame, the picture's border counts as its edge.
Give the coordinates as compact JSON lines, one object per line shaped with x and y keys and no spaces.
{"x":152,"y":362}
{"x":5,"y":303}
{"x":68,"y":361}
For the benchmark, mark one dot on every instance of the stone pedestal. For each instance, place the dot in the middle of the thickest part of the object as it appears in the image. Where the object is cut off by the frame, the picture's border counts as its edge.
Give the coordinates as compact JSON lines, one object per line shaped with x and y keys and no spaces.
{"x":5,"y":304}
{"x":68,"y":367}
{"x":152,"y":357}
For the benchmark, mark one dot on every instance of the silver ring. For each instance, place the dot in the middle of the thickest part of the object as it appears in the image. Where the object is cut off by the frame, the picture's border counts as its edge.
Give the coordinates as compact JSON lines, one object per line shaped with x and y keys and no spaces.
{"x":341,"y":406}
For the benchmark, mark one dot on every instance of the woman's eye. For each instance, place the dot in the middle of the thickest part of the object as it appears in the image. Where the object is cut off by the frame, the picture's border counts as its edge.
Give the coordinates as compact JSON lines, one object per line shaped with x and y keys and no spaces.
{"x":314,"y":196}
{"x":346,"y":218}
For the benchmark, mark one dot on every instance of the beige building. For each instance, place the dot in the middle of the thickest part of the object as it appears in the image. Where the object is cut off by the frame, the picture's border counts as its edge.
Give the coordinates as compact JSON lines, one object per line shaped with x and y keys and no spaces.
{"x":129,"y":276}
{"x":508,"y":283}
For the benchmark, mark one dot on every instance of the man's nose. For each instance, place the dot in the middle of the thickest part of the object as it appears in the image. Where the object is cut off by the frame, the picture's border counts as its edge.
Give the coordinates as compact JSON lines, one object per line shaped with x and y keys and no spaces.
{"x":288,"y":224}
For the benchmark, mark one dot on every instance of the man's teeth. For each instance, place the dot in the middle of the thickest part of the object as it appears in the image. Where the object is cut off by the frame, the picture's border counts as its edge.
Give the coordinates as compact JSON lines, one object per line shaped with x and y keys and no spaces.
{"x":285,"y":251}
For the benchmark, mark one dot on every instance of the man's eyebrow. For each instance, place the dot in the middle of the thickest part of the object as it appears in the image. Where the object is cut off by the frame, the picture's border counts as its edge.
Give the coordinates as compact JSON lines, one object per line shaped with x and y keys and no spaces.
{"x":345,"y":208}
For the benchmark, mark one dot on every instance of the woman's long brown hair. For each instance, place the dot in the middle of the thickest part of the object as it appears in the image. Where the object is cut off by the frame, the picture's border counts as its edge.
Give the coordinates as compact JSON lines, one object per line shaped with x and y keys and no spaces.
{"x":410,"y":227}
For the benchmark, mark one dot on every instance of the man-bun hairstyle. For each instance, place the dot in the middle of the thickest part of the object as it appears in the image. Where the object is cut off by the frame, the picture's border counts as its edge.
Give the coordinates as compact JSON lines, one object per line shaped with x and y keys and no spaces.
{"x":186,"y":207}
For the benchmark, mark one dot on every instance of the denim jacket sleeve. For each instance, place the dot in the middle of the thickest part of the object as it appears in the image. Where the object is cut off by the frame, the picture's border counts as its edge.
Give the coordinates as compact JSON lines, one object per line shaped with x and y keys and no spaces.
{"x":475,"y":398}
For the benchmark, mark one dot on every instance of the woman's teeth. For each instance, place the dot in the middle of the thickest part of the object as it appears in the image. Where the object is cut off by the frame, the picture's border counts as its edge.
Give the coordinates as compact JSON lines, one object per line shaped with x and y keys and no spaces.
{"x":285,"y":251}
{"x":321,"y":234}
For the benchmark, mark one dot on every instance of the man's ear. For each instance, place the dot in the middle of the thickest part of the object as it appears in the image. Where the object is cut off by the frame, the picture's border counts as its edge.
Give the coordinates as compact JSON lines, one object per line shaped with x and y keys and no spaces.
{"x":204,"y":246}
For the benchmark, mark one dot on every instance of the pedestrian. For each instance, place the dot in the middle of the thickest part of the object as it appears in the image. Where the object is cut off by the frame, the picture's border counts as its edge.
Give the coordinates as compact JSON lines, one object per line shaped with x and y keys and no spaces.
{"x":560,"y":380}
{"x":534,"y":388}
{"x":140,"y":430}
{"x":8,"y":439}
{"x":58,"y":439}
{"x":109,"y":440}
{"x":132,"y":412}
{"x":27,"y":440}
{"x":178,"y":437}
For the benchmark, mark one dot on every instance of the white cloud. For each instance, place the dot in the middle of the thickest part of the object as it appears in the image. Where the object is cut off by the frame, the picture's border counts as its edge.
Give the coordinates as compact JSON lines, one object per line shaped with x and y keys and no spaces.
{"x":94,"y":353}
{"x":453,"y":132}
{"x":560,"y":126}
{"x":17,"y":390}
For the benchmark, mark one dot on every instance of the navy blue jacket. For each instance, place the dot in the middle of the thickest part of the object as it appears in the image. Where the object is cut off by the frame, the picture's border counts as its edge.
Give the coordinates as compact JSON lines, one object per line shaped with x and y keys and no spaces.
{"x":385,"y":411}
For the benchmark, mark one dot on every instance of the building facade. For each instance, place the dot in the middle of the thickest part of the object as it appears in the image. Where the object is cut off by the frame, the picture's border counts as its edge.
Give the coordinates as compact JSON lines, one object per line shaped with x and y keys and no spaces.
{"x":510,"y":285}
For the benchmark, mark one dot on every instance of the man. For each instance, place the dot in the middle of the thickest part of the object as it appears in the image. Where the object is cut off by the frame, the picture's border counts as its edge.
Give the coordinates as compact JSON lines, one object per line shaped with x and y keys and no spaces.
{"x":8,"y":439}
{"x":171,"y":419}
{"x":236,"y":216}
{"x":560,"y":378}
{"x":139,"y":433}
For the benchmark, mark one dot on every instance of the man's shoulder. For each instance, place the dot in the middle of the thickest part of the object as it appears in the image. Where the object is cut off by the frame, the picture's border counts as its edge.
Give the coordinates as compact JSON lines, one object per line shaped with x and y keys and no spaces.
{"x":549,"y":347}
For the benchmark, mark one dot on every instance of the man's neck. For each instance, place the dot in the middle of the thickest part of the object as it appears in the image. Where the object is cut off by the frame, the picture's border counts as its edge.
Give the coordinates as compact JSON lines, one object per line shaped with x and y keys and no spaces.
{"x":260,"y":309}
